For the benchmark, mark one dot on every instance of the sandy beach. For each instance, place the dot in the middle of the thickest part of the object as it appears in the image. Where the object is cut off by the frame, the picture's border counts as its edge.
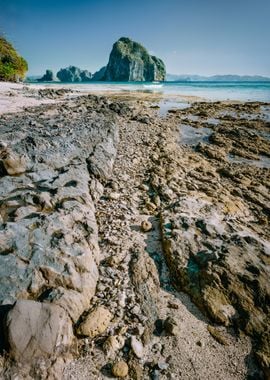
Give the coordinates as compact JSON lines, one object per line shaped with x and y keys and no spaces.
{"x":141,"y":223}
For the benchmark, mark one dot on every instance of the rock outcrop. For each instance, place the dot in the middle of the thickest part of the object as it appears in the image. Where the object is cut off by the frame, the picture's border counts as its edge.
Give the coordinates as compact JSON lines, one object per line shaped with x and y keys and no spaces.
{"x":49,"y":250}
{"x":130,"y":61}
{"x":12,"y":66}
{"x":47,"y":77}
{"x":99,"y":75}
{"x":73,"y":74}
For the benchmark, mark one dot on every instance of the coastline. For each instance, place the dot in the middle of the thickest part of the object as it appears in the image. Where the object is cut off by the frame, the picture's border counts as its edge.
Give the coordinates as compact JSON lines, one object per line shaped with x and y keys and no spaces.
{"x":196,"y":199}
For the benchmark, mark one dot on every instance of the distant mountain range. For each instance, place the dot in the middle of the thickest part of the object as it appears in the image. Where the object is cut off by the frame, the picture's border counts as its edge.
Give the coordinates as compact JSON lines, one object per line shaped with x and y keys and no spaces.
{"x":216,"y":78}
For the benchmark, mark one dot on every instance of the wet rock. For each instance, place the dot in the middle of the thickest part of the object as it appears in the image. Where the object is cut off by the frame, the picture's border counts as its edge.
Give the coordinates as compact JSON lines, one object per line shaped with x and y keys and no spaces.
{"x":95,"y":323}
{"x":120,"y":369}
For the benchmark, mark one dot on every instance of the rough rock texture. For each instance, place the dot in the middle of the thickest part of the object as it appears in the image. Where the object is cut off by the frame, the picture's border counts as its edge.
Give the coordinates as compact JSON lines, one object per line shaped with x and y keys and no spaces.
{"x":38,"y":333}
{"x":156,"y":329}
{"x":48,"y":233}
{"x":73,"y":74}
{"x":215,"y":229}
{"x":47,"y":77}
{"x":173,"y":339}
{"x":130,"y":61}
{"x":96,"y":322}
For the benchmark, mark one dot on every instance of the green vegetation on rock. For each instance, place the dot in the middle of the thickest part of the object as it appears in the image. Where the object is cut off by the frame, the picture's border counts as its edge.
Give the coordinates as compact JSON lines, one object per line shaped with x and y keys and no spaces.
{"x":12,"y":66}
{"x":130,"y":61}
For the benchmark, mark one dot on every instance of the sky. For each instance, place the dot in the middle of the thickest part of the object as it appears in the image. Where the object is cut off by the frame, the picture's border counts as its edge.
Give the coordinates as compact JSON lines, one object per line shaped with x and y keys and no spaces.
{"x":205,"y":37}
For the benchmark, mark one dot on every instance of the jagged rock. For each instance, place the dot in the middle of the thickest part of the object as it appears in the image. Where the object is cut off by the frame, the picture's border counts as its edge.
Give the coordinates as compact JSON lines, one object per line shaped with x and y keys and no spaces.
{"x":120,"y":369}
{"x":223,"y":267}
{"x":47,"y":77}
{"x":48,"y":233}
{"x":73,"y":74}
{"x":95,"y":323}
{"x":38,"y":332}
{"x":130,"y":61}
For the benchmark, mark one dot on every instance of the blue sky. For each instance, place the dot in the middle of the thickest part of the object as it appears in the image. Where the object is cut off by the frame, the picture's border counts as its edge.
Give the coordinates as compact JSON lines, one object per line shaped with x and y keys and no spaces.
{"x":192,"y":36}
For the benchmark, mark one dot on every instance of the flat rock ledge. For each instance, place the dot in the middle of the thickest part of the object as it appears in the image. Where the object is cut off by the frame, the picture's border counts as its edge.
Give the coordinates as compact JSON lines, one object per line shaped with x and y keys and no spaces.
{"x":49,"y":252}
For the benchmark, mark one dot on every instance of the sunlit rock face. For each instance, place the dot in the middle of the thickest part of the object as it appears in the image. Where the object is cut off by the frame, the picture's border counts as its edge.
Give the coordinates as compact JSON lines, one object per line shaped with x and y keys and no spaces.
{"x":130,"y":61}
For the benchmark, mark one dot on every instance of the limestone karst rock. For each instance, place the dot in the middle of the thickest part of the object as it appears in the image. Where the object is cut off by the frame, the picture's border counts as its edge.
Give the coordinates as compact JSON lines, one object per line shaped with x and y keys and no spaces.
{"x":130,"y":61}
{"x":47,"y":77}
{"x":73,"y":74}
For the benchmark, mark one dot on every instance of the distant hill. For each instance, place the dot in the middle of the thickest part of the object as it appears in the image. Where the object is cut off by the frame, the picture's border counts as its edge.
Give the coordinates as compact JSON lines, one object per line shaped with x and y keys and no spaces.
{"x":216,"y":78}
{"x":129,"y":61}
{"x":12,"y":66}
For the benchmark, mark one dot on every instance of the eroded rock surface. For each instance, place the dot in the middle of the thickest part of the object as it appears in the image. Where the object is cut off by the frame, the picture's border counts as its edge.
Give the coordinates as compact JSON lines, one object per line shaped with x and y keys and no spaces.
{"x":130,"y":61}
{"x":215,"y":227}
{"x":49,"y":240}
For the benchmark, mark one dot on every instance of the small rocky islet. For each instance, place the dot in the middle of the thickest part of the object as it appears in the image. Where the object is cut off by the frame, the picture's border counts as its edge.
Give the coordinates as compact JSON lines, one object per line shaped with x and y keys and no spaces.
{"x":128,"y":61}
{"x":109,"y":224}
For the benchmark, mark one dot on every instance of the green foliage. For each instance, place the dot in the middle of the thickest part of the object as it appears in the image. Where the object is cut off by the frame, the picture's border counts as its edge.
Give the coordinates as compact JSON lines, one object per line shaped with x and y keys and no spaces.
{"x":12,"y":65}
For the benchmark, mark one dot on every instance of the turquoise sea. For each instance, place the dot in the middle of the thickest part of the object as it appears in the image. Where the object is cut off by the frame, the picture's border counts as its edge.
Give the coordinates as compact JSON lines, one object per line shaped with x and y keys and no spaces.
{"x":245,"y":91}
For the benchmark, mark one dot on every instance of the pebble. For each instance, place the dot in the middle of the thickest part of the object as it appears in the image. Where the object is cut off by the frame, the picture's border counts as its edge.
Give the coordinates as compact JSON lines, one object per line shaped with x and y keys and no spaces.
{"x":162,"y":365}
{"x":157,"y":201}
{"x":151,"y":206}
{"x":144,"y":187}
{"x":95,"y":323}
{"x":114,"y":196}
{"x":146,"y":226}
{"x":120,"y":369}
{"x":137,"y":347}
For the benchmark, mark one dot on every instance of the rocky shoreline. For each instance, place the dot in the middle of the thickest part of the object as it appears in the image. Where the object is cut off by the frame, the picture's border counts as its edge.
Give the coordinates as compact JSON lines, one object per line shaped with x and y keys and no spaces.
{"x":116,"y":211}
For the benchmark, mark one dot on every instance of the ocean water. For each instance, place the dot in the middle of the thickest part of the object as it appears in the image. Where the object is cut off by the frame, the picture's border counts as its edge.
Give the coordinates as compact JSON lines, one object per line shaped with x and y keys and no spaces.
{"x":244,"y":91}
